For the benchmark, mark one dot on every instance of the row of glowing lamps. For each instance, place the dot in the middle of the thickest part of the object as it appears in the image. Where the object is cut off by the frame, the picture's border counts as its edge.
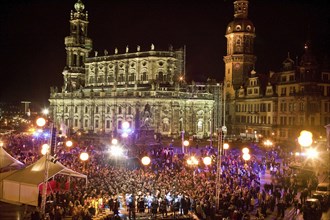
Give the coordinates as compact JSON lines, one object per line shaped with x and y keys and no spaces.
{"x":45,"y":148}
{"x":305,"y":140}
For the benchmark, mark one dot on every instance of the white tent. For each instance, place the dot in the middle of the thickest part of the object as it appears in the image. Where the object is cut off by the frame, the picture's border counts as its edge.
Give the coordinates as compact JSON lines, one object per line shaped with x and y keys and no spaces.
{"x":22,"y":186}
{"x":7,"y":162}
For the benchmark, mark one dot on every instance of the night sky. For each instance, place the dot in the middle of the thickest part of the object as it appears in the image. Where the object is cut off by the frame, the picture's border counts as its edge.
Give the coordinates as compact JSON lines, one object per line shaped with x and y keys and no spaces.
{"x":32,"y":36}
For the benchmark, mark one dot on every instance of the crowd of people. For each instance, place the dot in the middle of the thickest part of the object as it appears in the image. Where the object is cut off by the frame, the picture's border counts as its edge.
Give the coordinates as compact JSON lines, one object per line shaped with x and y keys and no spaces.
{"x":168,"y":185}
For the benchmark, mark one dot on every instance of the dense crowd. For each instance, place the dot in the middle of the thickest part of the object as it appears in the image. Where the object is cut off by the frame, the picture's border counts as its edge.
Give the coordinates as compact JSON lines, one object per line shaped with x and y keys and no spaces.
{"x":167,"y":186}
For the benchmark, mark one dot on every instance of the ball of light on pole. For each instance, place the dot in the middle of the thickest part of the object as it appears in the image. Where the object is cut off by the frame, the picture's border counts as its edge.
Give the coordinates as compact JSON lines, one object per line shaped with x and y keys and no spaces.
{"x":44,"y":149}
{"x":306,"y":138}
{"x":84,"y":156}
{"x":1,"y":144}
{"x":246,"y":156}
{"x":69,"y":143}
{"x":245,"y":150}
{"x":125,"y":125}
{"x":145,"y":160}
{"x":225,"y":146}
{"x":114,"y":141}
{"x":207,"y":160}
{"x":186,"y":143}
{"x":41,"y":122}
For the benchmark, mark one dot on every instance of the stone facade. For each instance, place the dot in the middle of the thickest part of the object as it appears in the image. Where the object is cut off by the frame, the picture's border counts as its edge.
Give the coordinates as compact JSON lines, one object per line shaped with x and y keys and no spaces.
{"x":147,"y":89}
{"x":277,"y":105}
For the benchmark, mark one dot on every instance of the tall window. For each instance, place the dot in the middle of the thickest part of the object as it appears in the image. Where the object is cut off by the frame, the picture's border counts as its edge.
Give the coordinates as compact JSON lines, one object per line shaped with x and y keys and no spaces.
{"x":107,"y":124}
{"x":200,"y":126}
{"x":86,"y":123}
{"x":76,"y":122}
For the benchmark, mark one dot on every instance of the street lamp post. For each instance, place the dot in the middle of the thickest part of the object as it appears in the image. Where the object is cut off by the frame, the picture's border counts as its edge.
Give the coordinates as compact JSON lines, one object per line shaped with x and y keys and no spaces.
{"x":225,"y":148}
{"x":41,"y":122}
{"x":182,"y":141}
{"x":84,"y":157}
{"x":186,"y":144}
{"x":192,"y":161}
{"x":246,"y":156}
{"x":145,"y":162}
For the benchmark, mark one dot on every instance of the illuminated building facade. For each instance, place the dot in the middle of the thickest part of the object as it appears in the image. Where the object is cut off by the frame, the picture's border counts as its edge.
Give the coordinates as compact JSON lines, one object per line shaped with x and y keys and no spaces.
{"x":147,"y":89}
{"x":278,"y":104}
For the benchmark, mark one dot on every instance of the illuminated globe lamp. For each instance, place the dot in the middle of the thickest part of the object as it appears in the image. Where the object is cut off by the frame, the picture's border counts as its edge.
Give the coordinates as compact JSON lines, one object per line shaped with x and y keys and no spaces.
{"x":1,"y":144}
{"x":185,"y":143}
{"x":41,"y":122}
{"x":246,"y":157}
{"x":245,"y":150}
{"x":305,"y":139}
{"x":225,"y":148}
{"x":207,"y":161}
{"x":69,"y":143}
{"x":145,"y":160}
{"x":84,"y":156}
{"x":125,"y":125}
{"x":45,"y":149}
{"x":114,"y":141}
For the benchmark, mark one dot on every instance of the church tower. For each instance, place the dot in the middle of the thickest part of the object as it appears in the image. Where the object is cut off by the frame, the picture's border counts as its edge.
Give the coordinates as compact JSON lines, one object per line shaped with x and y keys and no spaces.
{"x":240,"y":60}
{"x":77,"y":47}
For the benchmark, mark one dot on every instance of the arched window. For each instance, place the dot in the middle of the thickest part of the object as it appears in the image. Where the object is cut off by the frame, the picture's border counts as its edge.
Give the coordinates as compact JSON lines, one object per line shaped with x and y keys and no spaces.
{"x":144,"y":76}
{"x":200,"y":126}
{"x":166,"y":126}
{"x":160,"y":76}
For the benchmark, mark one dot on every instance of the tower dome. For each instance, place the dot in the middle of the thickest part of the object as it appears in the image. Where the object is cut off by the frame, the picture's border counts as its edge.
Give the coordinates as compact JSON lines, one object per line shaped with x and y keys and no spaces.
{"x":241,"y":23}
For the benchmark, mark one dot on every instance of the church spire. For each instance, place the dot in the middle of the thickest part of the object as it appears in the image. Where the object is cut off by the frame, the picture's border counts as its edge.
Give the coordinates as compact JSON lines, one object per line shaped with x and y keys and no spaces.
{"x":241,"y":8}
{"x":78,"y":46}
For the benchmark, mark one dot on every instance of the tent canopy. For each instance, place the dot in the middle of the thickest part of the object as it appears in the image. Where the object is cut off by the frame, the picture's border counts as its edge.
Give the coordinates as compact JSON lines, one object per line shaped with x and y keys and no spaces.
{"x":8,"y":162}
{"x":35,"y":173}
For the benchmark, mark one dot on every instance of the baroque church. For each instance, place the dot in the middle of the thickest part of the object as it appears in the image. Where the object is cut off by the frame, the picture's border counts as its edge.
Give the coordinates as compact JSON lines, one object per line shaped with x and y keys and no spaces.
{"x":144,"y":88}
{"x":147,"y":89}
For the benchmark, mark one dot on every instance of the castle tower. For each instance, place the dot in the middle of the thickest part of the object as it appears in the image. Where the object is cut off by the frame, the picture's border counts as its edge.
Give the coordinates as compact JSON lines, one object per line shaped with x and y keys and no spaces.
{"x":77,"y":47}
{"x":240,"y":60}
